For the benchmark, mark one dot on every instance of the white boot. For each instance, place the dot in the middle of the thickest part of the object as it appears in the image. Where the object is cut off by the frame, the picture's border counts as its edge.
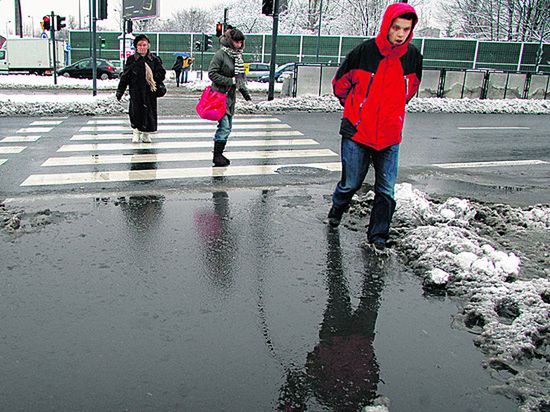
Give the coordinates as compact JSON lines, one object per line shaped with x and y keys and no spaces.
{"x":136,"y":134}
{"x":145,"y":137}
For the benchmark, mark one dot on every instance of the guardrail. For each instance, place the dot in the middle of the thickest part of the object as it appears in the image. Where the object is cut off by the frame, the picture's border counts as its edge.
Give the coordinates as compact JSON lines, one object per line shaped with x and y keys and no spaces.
{"x":316,"y":78}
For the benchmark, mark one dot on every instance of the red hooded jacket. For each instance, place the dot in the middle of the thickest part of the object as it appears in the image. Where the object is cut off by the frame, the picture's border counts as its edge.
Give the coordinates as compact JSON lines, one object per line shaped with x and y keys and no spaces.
{"x":374,"y":83}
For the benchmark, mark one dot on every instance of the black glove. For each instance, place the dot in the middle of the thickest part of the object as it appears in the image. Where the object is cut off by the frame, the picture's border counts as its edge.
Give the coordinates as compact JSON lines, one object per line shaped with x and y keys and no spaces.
{"x":119,"y":96}
{"x":247,"y":97}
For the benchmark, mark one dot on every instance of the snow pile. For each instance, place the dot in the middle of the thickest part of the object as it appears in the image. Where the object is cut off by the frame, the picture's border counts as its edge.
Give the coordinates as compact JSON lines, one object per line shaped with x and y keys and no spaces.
{"x":438,"y":105}
{"x":328,"y":103}
{"x":32,"y":81}
{"x":444,"y":243}
{"x":39,"y":105}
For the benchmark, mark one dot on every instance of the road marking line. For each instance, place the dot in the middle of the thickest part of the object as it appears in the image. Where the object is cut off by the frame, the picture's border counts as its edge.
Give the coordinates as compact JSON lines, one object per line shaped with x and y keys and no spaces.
{"x":211,"y":126}
{"x":35,"y":130}
{"x":20,"y":139}
{"x":2,"y":161}
{"x":46,"y":122}
{"x":183,"y":121}
{"x":160,"y":174}
{"x":493,"y":128}
{"x":11,"y":149}
{"x":177,"y":135}
{"x":181,"y":145}
{"x":178,"y":157}
{"x":490,"y":164}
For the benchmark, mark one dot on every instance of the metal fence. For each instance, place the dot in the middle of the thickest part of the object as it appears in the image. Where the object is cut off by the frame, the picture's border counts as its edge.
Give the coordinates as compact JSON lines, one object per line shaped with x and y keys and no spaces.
{"x":438,"y":53}
{"x":451,"y":83}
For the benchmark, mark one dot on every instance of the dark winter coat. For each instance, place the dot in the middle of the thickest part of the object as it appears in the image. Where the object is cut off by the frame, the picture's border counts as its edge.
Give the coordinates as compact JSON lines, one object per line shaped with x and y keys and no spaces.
{"x":143,"y":102}
{"x":222,"y":71}
{"x":375,"y":82}
{"x":178,"y":66}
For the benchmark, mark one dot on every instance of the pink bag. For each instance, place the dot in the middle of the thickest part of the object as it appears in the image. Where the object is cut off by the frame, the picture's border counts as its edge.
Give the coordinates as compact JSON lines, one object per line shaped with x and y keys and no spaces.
{"x":211,"y":105}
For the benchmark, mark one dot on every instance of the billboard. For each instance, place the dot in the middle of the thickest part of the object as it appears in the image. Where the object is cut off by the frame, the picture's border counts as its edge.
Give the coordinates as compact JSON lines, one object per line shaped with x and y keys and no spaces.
{"x":140,"y":9}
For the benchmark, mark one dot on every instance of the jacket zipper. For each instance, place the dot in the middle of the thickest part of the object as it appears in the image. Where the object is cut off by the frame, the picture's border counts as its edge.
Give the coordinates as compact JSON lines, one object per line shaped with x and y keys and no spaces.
{"x":364,"y":100}
{"x":406,"y":87}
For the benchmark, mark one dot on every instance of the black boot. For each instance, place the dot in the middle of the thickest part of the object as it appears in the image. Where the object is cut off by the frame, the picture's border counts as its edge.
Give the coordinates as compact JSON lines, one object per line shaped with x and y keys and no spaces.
{"x":219,"y":159}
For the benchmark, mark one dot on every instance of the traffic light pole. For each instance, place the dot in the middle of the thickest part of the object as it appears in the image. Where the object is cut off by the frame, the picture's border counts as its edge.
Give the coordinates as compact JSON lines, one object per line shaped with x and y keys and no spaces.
{"x":94,"y":49}
{"x":271,"y":89}
{"x":52,"y":28}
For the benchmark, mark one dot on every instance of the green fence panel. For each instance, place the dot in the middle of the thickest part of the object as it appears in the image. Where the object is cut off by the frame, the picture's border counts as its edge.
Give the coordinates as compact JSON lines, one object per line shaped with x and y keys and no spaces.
{"x":438,"y":53}
{"x":498,"y":55}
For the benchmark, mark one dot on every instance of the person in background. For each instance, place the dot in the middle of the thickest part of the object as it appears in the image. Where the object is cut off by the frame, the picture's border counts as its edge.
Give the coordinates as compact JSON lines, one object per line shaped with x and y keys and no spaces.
{"x":187,"y":62}
{"x":226,"y":71}
{"x":178,"y":67}
{"x":142,"y":73}
{"x":374,"y":83}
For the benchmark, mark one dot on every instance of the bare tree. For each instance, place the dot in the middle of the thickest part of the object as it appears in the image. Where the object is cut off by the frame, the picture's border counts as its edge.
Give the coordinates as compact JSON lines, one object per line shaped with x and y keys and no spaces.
{"x":193,"y":20}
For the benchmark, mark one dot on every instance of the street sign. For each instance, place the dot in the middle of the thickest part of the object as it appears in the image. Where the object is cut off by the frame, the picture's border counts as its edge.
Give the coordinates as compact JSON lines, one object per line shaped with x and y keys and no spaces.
{"x":140,"y":9}
{"x":44,"y":35}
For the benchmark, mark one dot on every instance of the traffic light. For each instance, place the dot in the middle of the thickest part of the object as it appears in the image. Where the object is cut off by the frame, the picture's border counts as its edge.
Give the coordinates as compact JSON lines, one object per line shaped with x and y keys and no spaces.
{"x":103,"y":45}
{"x":207,"y":42}
{"x":219,"y":29}
{"x":267,"y":7}
{"x":198,"y":45}
{"x":102,"y":9}
{"x":46,"y":22}
{"x":129,"y":26}
{"x":60,"y":22}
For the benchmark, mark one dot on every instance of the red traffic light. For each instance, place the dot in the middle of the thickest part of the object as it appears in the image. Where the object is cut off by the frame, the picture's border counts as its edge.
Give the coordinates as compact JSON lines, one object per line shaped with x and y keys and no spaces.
{"x":219,"y":29}
{"x":46,"y":22}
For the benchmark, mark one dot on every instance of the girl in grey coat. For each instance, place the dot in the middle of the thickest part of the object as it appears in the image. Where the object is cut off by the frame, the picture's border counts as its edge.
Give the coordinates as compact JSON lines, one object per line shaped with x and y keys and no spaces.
{"x":226,"y":71}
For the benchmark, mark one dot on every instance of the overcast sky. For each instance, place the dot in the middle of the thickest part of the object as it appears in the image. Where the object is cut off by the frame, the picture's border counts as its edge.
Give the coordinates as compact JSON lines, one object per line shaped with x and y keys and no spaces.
{"x":38,"y":8}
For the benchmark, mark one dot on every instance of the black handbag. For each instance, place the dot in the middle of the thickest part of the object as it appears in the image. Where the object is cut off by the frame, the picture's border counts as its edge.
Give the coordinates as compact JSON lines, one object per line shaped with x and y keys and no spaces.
{"x":161,"y":89}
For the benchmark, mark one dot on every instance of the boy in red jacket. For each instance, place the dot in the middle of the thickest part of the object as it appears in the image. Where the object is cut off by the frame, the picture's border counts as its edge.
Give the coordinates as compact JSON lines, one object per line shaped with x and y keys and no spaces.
{"x":374,"y":83}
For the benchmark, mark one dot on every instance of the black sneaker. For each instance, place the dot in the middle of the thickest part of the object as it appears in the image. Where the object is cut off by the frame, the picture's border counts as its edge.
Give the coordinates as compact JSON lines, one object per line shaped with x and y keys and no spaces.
{"x":335,"y":216}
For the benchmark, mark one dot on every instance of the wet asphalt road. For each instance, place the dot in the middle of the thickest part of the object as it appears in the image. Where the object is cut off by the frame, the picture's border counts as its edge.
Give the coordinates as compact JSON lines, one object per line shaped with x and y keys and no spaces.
{"x":229,"y":293}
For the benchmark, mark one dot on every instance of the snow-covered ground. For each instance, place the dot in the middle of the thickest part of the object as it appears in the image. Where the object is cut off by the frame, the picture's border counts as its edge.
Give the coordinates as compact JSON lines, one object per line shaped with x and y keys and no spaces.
{"x":28,"y":103}
{"x":480,"y":253}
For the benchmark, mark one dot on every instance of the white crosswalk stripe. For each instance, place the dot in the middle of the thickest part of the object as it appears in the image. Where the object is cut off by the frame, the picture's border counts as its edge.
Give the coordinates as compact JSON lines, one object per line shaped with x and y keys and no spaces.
{"x":20,"y":139}
{"x":46,"y":122}
{"x":181,"y":145}
{"x":160,"y":174}
{"x":181,"y":157}
{"x":209,"y":126}
{"x":2,"y":161}
{"x":195,"y":135}
{"x":11,"y":149}
{"x":35,"y":130}
{"x":257,"y":146}
{"x":183,"y":121}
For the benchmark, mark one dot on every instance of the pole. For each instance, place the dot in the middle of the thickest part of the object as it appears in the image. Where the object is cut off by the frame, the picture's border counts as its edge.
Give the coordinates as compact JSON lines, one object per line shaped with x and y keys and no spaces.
{"x":94,"y":49}
{"x":319,"y":30}
{"x":225,"y":15}
{"x":52,"y":29}
{"x":271,"y":90}
{"x":79,"y":16}
{"x":540,"y":50}
{"x":123,"y":42}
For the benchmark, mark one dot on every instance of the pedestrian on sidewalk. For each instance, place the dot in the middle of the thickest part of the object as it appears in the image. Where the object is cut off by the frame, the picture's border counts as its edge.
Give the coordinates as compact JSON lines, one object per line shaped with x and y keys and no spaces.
{"x":187,"y":62}
{"x":374,"y":83}
{"x":178,"y":67}
{"x":142,"y":73}
{"x":226,"y":71}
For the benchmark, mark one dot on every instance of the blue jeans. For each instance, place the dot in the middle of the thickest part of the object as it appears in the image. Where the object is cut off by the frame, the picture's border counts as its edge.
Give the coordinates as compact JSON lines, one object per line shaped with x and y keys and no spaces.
{"x":224,"y":128}
{"x":356,"y":159}
{"x":184,"y":76}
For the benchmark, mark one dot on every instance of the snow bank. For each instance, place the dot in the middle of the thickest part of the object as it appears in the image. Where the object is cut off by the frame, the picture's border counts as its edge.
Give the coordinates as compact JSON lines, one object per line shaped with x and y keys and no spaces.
{"x":31,"y":81}
{"x":508,"y":307}
{"x":40,"y":105}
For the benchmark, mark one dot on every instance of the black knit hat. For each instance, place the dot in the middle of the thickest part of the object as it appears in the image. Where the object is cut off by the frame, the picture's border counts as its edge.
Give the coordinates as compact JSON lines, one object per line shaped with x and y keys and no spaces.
{"x":139,"y":38}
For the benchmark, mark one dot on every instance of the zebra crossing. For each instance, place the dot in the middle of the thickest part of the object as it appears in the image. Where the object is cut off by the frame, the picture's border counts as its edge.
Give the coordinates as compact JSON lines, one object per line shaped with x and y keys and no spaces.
{"x":101,"y":151}
{"x":27,"y":135}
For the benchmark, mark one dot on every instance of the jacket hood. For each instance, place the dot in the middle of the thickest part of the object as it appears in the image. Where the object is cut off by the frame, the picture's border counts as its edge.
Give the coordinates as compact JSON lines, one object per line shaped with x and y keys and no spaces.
{"x":225,"y":41}
{"x":392,"y":12}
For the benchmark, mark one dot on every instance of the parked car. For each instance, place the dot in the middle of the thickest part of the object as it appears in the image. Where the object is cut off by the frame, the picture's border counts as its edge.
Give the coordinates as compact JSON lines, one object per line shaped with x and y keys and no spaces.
{"x":281,"y":72}
{"x":256,"y":70}
{"x":83,"y":69}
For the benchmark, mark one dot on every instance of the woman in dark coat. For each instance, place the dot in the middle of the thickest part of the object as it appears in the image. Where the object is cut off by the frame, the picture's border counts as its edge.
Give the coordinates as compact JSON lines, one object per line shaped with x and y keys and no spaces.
{"x":226,"y":71}
{"x":143,"y":73}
